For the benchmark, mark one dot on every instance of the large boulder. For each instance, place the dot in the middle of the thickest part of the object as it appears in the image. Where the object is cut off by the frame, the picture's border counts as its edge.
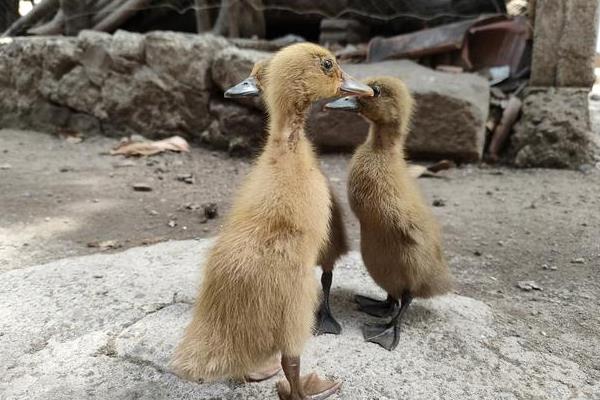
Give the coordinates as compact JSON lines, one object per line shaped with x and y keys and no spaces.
{"x":554,"y":131}
{"x":156,"y":84}
{"x":449,"y":122}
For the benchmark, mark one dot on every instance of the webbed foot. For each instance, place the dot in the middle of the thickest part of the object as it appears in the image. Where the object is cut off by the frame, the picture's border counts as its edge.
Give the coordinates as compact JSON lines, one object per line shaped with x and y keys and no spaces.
{"x":313,"y":387}
{"x":268,"y":371}
{"x":326,"y":323}
{"x":385,"y":335}
{"x":376,"y":308}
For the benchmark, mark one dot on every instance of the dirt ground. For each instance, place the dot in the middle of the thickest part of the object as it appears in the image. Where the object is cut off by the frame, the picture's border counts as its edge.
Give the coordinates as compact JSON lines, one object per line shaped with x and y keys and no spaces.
{"x":501,"y":226}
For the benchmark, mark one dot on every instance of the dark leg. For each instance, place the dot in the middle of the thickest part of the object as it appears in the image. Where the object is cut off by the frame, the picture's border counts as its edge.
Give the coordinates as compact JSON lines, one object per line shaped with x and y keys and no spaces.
{"x":387,"y":335}
{"x":376,"y":308}
{"x":309,"y":387}
{"x":325,"y":321}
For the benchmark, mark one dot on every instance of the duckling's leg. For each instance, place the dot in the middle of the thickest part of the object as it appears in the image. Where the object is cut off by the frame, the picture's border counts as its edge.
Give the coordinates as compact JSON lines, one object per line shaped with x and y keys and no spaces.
{"x":387,"y":335}
{"x":271,"y":368}
{"x":309,"y":387}
{"x":325,"y":321}
{"x":376,"y":308}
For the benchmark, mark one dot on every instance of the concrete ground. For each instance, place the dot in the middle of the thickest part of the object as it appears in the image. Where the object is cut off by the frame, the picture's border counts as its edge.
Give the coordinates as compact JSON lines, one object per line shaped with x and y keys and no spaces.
{"x":102,"y":325}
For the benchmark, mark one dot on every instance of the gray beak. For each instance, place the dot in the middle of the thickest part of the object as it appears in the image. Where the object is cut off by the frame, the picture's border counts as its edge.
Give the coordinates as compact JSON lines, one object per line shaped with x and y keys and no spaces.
{"x":351,"y":85}
{"x":348,"y":103}
{"x":246,"y":88}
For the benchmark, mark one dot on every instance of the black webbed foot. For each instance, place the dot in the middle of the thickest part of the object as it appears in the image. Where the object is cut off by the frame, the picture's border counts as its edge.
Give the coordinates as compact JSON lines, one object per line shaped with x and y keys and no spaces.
{"x":385,"y":335}
{"x":376,"y":308}
{"x":326,"y":323}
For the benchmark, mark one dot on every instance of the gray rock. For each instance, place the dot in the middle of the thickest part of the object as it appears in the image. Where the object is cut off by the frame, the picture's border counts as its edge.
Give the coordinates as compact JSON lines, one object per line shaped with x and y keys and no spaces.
{"x":184,"y":57}
{"x":127,"y":45}
{"x":451,"y":111}
{"x":554,"y":130}
{"x":242,"y":128}
{"x":232,"y":65}
{"x":104,"y":327}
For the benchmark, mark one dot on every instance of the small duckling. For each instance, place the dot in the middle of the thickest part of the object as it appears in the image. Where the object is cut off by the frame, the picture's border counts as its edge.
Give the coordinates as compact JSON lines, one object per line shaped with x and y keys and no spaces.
{"x":258,"y":293}
{"x":337,"y":242}
{"x":400,"y":238}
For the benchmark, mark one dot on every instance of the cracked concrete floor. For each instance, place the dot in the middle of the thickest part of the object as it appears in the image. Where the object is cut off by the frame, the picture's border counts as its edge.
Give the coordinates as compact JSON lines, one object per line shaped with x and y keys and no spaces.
{"x":102,"y":326}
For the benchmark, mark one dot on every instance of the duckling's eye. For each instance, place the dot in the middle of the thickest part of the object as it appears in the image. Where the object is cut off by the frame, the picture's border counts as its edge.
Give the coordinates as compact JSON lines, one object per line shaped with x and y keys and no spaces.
{"x":327,"y":65}
{"x":376,"y":90}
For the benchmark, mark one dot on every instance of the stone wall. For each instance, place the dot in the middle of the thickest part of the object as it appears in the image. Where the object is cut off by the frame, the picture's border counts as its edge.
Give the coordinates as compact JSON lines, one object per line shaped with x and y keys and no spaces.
{"x":166,"y":83}
{"x":155,"y":85}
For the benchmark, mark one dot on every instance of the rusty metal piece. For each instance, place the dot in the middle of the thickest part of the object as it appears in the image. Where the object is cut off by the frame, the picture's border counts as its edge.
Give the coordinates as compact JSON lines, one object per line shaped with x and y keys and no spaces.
{"x":498,"y":43}
{"x":442,"y":39}
{"x":484,"y":42}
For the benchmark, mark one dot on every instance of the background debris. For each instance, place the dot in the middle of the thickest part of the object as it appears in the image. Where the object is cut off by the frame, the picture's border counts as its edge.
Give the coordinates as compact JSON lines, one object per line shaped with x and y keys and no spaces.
{"x":528,"y":286}
{"x":129,"y":147}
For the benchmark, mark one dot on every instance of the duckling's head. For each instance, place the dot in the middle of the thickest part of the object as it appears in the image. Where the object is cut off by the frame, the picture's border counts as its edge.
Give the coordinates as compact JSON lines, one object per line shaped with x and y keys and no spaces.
{"x":253,"y":85}
{"x":303,"y":73}
{"x":392,"y":103}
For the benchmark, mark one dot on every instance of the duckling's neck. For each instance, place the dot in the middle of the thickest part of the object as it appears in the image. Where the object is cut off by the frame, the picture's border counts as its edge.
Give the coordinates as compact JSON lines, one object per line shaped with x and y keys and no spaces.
{"x":385,"y":137}
{"x":286,"y":127}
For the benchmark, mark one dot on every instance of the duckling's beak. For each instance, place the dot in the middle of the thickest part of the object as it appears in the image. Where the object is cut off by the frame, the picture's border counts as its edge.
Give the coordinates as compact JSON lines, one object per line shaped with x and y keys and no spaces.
{"x":353,"y":86}
{"x":246,"y":88}
{"x":348,"y":103}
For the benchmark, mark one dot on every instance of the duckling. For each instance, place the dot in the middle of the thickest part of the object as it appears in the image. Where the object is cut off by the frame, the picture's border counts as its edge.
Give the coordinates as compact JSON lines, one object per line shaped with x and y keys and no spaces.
{"x":337,"y":242}
{"x":258,"y":292}
{"x":400,"y":238}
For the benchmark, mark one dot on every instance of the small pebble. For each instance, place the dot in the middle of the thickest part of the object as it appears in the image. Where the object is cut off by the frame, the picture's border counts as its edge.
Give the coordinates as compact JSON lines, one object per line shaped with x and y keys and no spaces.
{"x":187,"y":178}
{"x":528,"y":286}
{"x":211,"y":210}
{"x":439,"y":203}
{"x":142,"y":187}
{"x":579,"y":260}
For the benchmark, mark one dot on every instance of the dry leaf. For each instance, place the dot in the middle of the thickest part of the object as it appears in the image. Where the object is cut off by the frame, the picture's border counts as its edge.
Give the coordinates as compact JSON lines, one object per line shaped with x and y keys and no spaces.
{"x":105,"y":244}
{"x":69,"y":135}
{"x":129,"y":148}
